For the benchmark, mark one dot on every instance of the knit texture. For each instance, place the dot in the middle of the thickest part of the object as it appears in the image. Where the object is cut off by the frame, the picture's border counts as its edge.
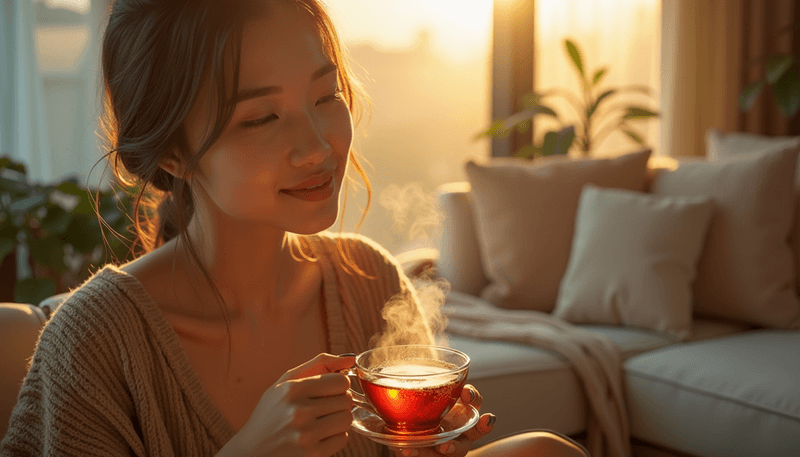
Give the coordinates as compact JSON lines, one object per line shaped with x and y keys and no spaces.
{"x":109,"y":377}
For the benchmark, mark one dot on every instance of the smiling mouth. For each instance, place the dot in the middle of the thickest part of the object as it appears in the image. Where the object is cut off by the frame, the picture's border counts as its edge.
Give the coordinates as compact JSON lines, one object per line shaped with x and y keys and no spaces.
{"x":313,"y":193}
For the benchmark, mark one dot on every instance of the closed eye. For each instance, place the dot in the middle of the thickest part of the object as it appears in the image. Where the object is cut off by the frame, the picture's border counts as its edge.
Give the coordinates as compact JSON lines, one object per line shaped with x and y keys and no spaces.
{"x":259,"y":122}
{"x":329,"y":98}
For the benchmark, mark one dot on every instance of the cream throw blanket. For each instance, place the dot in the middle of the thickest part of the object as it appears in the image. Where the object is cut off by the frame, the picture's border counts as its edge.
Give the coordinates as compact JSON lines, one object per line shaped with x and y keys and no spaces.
{"x":595,"y":359}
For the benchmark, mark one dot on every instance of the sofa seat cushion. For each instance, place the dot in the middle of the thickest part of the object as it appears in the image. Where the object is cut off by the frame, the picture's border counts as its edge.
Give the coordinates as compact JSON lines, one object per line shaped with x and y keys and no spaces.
{"x":734,"y":396}
{"x":527,"y":387}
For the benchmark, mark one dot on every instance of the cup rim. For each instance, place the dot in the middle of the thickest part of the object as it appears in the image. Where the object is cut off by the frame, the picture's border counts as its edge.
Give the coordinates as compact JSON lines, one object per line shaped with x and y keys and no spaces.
{"x":458,"y":369}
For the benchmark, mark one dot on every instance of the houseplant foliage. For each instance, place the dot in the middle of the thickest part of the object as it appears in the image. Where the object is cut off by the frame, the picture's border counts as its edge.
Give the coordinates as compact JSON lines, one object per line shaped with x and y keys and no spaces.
{"x":782,"y":73}
{"x":600,"y":110}
{"x":59,"y":227}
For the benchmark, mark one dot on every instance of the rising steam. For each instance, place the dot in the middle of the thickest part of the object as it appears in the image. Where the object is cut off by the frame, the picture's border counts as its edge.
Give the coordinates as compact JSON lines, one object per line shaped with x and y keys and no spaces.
{"x":415,"y":213}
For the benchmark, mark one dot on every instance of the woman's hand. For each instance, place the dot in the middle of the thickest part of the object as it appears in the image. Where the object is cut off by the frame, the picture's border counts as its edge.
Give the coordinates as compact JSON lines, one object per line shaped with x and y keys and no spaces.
{"x":306,"y":413}
{"x":461,"y":445}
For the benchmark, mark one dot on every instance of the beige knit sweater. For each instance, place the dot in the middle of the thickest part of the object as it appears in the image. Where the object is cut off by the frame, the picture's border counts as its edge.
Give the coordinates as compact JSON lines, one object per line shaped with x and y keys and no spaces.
{"x":109,"y":376}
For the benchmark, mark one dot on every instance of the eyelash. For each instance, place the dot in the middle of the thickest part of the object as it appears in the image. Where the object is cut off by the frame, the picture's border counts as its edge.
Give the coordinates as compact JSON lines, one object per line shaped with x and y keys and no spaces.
{"x":264,"y":120}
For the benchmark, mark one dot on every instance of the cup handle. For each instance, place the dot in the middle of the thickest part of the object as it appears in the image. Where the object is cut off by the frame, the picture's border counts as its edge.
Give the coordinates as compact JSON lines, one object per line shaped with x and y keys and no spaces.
{"x":358,"y":398}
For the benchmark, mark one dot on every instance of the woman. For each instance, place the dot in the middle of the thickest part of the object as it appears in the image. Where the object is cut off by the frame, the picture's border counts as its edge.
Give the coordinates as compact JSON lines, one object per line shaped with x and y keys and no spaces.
{"x":236,"y":119}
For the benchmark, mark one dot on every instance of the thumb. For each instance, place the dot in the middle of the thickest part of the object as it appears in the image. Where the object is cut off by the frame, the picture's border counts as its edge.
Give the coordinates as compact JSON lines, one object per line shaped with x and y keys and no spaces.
{"x":321,"y":364}
{"x":482,"y":428}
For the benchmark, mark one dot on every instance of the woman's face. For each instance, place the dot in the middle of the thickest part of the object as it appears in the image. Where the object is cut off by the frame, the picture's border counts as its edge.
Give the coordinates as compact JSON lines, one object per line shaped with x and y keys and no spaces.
{"x":282,"y":159}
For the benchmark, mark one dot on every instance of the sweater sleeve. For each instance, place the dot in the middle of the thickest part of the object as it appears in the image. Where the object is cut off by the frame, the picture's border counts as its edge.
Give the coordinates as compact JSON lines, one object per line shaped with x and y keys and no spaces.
{"x":73,"y":400}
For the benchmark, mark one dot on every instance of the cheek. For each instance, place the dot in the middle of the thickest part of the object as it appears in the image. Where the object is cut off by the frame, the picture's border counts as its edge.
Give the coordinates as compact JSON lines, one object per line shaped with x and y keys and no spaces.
{"x":240,"y":184}
{"x":341,"y":138}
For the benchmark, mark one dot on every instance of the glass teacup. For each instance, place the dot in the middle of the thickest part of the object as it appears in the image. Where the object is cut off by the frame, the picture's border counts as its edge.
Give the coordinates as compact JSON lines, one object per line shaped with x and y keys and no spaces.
{"x":410,"y":387}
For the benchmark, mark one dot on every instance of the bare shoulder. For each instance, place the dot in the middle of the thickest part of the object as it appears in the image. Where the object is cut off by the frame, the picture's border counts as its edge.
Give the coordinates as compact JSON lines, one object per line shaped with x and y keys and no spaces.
{"x":155,"y":273}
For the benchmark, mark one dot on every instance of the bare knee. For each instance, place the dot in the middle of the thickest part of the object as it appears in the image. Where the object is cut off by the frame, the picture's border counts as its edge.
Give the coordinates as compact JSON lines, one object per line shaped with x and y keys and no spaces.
{"x":530,"y":444}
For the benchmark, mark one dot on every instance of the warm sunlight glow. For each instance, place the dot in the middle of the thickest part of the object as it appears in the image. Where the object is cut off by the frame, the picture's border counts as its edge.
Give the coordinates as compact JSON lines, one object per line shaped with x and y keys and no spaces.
{"x":458,"y":29}
{"x":79,"y":6}
{"x":620,"y":35}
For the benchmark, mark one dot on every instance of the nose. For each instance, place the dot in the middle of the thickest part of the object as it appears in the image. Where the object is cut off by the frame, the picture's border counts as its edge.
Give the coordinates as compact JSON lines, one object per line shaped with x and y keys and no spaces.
{"x":310,"y":145}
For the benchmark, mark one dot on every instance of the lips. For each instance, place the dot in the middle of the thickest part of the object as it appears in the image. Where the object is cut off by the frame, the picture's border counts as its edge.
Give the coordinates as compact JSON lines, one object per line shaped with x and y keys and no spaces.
{"x":311,"y":183}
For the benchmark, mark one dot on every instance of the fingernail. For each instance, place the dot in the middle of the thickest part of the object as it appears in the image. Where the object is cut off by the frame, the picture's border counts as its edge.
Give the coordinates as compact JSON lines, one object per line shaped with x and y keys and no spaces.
{"x":349,"y":354}
{"x":410,"y":452}
{"x":471,"y":395}
{"x":449,"y":449}
{"x":492,"y":420}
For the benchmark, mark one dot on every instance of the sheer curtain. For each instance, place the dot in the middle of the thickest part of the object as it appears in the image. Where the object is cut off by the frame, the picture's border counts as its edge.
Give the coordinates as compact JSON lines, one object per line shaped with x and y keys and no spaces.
{"x":620,"y":35}
{"x":711,"y":50}
{"x":50,"y":78}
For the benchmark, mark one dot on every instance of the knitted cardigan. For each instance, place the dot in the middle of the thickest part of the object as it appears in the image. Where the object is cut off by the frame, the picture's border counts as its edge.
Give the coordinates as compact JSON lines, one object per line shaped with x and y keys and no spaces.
{"x":109,"y":376}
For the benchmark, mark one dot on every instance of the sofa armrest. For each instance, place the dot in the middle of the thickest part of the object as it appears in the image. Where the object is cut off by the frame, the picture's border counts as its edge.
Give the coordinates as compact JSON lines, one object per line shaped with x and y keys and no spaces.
{"x":419,"y":263}
{"x":20,"y":325}
{"x":459,"y":253}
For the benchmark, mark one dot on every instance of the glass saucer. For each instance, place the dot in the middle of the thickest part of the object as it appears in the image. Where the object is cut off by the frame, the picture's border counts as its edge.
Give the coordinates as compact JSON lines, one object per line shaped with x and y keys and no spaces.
{"x":460,"y":419}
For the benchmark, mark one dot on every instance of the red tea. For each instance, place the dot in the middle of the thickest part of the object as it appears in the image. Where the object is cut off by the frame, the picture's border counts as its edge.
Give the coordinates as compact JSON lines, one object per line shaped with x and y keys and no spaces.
{"x":414,"y":404}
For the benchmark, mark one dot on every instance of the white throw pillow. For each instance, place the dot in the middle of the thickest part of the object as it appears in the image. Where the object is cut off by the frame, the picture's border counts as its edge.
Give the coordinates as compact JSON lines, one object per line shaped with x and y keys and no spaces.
{"x":633,"y":260}
{"x":746,"y":270}
{"x":525,"y":215}
{"x":721,"y":145}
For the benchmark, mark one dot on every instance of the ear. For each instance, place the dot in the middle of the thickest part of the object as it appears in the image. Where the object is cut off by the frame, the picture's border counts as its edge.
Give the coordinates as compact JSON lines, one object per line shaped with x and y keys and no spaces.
{"x":172,"y":165}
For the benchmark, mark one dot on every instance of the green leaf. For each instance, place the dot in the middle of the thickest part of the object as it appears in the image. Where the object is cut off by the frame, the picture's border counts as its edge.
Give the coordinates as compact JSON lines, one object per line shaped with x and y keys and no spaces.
{"x":6,"y":247}
{"x":56,"y":221}
{"x":6,"y":162}
{"x":26,"y":204}
{"x":14,"y":183}
{"x":787,"y":92}
{"x":529,"y":152}
{"x":33,"y":290}
{"x":84,"y":234}
{"x":498,"y":129}
{"x":749,"y":95}
{"x":632,"y":134}
{"x":776,"y":66}
{"x":523,"y":126}
{"x":599,"y":100}
{"x":48,"y":252}
{"x":575,"y":55}
{"x":637,"y":112}
{"x":598,"y":76}
{"x":558,"y":142}
{"x":71,"y":187}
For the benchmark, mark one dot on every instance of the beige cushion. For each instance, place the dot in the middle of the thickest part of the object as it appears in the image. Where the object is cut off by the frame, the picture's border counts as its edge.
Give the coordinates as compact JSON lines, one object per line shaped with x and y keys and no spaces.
{"x":736,"y":396}
{"x":746,"y":270}
{"x":525,"y":215}
{"x":633,"y":260}
{"x":720,"y":144}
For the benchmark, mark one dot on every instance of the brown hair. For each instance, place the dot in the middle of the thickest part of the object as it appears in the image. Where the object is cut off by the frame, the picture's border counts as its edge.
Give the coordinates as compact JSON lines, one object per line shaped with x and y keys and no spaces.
{"x":155,"y":55}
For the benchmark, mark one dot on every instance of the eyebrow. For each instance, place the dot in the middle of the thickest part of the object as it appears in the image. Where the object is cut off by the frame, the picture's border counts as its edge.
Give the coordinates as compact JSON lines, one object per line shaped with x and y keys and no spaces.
{"x":269,"y":90}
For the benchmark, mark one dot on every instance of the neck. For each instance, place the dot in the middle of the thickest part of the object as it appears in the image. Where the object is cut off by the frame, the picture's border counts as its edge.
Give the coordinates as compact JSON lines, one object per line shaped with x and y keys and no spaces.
{"x":249,"y":264}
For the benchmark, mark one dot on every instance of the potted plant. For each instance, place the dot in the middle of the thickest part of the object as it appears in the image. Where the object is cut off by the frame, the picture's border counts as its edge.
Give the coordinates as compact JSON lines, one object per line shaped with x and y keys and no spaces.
{"x":782,"y":74}
{"x":601,"y":111}
{"x":59,"y":230}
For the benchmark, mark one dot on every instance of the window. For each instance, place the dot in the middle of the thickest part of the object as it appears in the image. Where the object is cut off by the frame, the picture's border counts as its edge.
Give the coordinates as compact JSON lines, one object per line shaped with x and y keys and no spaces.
{"x":427,"y":67}
{"x":621,"y":35}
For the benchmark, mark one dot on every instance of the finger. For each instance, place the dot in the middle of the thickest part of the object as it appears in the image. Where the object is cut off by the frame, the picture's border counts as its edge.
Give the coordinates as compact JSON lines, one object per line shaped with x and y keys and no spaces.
{"x":331,"y":425}
{"x":405,"y":452}
{"x":333,"y":444}
{"x":321,"y":364}
{"x":313,"y":409}
{"x":326,"y":385}
{"x":471,"y":396}
{"x":454,"y":448}
{"x":484,"y":426}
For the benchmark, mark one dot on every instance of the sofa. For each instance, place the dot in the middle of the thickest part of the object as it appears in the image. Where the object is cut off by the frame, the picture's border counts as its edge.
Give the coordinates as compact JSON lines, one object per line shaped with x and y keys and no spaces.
{"x":699,"y":382}
{"x":699,"y":378}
